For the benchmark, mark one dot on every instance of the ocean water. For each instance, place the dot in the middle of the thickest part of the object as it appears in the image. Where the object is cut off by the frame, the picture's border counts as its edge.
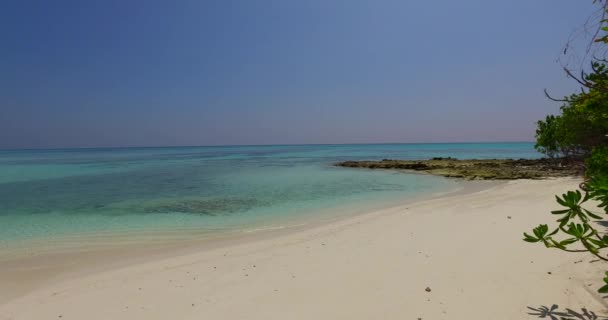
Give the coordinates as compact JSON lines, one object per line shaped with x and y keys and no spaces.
{"x":62,"y":194}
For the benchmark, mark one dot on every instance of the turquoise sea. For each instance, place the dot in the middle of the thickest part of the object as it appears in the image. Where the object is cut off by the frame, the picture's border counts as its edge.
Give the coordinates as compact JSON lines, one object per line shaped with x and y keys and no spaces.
{"x":50,"y":194}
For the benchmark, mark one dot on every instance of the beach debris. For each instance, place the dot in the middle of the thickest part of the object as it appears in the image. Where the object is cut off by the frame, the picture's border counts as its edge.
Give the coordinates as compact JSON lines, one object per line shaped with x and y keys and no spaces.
{"x":508,"y":217}
{"x":427,"y":289}
{"x":549,"y":272}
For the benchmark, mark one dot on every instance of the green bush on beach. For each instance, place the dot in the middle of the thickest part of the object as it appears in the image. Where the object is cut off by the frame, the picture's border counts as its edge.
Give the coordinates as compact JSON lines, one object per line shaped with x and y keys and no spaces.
{"x":580,"y":133}
{"x":583,"y":123}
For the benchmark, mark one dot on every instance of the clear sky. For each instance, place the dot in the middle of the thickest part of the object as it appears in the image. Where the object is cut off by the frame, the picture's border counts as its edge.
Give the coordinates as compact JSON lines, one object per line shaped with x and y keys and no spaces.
{"x":157,"y":73}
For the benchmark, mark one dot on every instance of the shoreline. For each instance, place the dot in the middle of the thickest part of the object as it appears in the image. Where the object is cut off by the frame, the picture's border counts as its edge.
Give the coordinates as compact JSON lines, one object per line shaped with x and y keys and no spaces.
{"x":101,"y":252}
{"x":370,"y":265}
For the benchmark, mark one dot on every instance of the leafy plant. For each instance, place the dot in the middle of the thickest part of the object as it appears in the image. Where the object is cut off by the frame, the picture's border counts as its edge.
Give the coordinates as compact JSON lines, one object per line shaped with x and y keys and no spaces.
{"x":577,"y":226}
{"x":582,"y":124}
{"x":597,"y":161}
{"x":604,"y":289}
{"x":580,"y":131}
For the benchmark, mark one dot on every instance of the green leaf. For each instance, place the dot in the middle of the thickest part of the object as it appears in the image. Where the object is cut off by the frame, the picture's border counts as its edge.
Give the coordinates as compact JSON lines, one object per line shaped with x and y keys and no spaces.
{"x":580,"y":230}
{"x":592,"y":248}
{"x":530,"y":238}
{"x":540,"y":231}
{"x":553,"y":232}
{"x":563,"y":221}
{"x":560,"y":211}
{"x":603,"y":289}
{"x":557,"y":244}
{"x":568,"y":241}
{"x":586,"y":228}
{"x":597,"y":243}
{"x":592,"y":215}
{"x":573,"y":230}
{"x":572,"y":199}
{"x":560,"y":201}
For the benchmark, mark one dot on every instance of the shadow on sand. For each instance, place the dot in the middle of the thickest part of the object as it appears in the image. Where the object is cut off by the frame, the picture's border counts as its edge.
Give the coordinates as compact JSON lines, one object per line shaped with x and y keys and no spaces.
{"x":567,"y":314}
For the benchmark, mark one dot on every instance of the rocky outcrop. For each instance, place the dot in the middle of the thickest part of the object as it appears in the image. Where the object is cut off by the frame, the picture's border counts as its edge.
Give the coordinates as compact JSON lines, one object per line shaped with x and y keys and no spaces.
{"x":486,"y":169}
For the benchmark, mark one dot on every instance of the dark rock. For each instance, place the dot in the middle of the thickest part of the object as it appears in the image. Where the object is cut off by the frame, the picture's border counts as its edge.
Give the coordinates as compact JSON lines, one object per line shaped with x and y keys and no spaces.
{"x":487,"y":169}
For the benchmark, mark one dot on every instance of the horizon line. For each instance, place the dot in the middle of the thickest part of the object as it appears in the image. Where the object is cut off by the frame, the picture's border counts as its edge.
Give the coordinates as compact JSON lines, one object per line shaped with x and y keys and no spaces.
{"x":257,"y":145}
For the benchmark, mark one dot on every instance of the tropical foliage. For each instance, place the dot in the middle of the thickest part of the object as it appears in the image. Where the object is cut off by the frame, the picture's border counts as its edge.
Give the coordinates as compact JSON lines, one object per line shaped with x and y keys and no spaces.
{"x":583,"y":122}
{"x":577,"y":230}
{"x":580,"y":132}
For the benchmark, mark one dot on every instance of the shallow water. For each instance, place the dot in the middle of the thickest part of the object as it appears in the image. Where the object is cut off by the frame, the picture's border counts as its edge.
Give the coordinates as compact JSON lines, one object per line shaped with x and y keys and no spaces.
{"x":49,"y":194}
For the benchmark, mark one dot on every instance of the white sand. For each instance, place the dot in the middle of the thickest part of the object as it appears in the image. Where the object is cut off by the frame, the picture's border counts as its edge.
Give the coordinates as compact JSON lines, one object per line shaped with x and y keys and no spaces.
{"x":374,"y":266}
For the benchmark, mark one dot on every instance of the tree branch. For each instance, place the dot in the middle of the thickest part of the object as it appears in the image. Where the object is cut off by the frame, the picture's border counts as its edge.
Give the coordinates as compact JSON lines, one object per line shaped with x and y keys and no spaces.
{"x":553,"y":99}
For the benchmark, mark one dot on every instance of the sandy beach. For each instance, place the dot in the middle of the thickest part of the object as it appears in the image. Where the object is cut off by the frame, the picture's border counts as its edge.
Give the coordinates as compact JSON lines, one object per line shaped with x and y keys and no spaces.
{"x":466,"y":249}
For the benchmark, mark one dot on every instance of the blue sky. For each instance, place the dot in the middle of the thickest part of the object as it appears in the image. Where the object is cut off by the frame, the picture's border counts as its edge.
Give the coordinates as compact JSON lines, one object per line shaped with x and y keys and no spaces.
{"x":159,"y":73}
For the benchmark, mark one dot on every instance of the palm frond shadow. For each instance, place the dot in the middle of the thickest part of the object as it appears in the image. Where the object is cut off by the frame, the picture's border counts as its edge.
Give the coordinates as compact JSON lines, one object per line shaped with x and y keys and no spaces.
{"x":602,"y":223}
{"x":568,"y":314}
